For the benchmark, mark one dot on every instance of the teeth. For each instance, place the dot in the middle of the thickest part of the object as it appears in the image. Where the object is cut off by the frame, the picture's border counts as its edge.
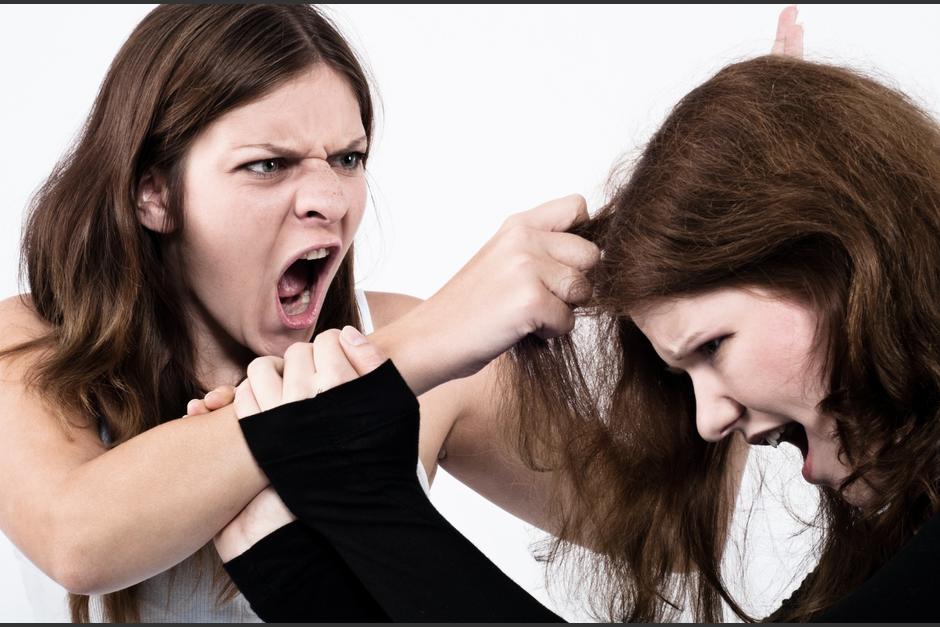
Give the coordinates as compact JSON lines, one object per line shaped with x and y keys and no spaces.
{"x":773,"y":438}
{"x":298,"y":306}
{"x":319,"y":253}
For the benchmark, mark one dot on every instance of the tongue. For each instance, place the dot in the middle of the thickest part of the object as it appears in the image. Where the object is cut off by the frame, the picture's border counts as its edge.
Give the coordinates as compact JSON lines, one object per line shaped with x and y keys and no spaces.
{"x":293,"y":282}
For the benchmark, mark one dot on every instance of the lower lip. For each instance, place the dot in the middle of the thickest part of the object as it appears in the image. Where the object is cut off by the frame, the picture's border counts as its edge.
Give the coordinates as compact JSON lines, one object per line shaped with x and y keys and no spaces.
{"x":308,"y":317}
{"x":303,"y":320}
{"x":808,"y":468}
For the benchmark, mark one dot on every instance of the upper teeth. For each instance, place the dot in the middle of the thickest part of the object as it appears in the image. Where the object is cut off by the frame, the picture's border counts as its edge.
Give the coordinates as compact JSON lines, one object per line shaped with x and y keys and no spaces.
{"x":319,"y":253}
{"x":773,"y":438}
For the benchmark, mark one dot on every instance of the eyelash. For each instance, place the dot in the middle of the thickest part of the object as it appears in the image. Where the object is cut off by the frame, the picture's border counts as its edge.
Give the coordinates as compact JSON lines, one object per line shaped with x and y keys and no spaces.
{"x":280,"y":163}
{"x":710,"y":348}
{"x":337,"y":161}
{"x":360,"y":158}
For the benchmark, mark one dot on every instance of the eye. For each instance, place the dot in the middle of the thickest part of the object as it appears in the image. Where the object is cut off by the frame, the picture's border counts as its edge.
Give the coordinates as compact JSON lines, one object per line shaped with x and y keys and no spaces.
{"x":349,"y":160}
{"x":265,"y":167}
{"x":710,"y":348}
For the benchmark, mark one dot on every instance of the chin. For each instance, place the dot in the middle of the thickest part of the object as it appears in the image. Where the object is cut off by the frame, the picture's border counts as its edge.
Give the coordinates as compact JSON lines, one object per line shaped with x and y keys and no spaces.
{"x":275,"y":344}
{"x":860,"y":494}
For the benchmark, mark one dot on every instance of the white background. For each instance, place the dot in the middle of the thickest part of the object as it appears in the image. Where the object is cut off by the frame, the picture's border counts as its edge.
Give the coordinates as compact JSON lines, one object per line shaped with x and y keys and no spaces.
{"x":487,"y":111}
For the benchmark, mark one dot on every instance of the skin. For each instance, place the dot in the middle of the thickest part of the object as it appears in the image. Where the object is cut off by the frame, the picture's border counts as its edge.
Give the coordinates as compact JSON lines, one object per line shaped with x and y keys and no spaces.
{"x":276,"y":177}
{"x":59,"y":500}
{"x":183,"y":481}
{"x":754,"y":361}
{"x":463,"y":415}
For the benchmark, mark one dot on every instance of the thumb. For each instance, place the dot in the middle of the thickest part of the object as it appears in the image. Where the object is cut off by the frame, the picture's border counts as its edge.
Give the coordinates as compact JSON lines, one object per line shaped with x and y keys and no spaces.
{"x":363,"y":355}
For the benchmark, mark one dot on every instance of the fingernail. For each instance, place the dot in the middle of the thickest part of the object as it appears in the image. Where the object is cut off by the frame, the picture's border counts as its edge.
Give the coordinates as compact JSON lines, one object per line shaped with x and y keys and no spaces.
{"x":352,"y":336}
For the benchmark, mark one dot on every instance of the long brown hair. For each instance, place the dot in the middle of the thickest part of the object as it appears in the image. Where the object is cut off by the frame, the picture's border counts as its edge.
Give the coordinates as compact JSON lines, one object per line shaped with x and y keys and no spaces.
{"x":118,"y":350}
{"x":807,"y":179}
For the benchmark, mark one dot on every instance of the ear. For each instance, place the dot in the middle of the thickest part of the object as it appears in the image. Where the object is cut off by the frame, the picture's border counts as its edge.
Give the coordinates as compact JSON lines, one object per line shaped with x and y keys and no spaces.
{"x":152,"y":194}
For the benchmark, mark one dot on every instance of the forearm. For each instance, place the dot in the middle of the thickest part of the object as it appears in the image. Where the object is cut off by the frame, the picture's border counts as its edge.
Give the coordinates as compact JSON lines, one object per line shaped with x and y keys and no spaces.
{"x":148,"y":503}
{"x":411,"y":342}
{"x":344,"y":464}
{"x":480,"y":452}
{"x":294,"y":575}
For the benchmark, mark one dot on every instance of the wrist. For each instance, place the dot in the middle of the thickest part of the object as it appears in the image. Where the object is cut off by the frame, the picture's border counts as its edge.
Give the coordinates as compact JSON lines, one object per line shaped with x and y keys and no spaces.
{"x":413,"y":344}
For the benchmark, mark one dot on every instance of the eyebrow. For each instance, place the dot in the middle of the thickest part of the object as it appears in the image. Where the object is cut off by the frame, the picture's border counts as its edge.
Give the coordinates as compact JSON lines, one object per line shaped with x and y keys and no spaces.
{"x":686,"y":345}
{"x":360,"y":143}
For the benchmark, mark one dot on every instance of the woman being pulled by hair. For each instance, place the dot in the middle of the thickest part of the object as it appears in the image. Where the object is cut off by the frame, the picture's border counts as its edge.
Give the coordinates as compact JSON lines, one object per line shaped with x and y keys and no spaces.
{"x":770,"y":273}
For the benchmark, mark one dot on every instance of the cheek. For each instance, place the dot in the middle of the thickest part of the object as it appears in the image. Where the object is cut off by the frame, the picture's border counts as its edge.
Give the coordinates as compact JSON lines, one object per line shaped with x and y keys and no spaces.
{"x":755,"y":378}
{"x":356,"y":194}
{"x":226,"y":232}
{"x":779,"y":368}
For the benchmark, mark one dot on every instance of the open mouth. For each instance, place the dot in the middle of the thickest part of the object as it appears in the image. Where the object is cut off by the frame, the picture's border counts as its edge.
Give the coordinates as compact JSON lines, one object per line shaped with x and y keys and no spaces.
{"x":300,"y":286}
{"x":791,"y":433}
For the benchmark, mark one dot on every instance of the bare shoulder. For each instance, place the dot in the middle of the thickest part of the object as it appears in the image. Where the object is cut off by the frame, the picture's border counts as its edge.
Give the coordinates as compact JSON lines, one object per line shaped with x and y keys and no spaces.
{"x":387,"y":306}
{"x":19,"y":322}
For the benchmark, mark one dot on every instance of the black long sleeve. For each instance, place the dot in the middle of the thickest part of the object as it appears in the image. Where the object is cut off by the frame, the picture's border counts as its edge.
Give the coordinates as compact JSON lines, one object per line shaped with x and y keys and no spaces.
{"x":905,"y":589}
{"x":343,"y":463}
{"x":294,"y":575}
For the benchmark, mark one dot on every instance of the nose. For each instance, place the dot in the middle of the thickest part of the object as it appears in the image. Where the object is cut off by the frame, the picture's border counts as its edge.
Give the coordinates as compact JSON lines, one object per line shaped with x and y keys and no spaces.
{"x":716,"y":413}
{"x":319,"y":197}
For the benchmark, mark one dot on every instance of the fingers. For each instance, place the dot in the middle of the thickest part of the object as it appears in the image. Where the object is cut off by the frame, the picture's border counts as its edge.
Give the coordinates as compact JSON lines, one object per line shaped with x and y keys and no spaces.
{"x":362,"y":354}
{"x":333,"y":367}
{"x":264,"y":376}
{"x":555,"y":215}
{"x":566,"y":284}
{"x":306,"y":370}
{"x":196,"y":407}
{"x":300,"y":380}
{"x":570,"y":250}
{"x":789,"y":38}
{"x":245,"y":402}
{"x":552,"y":315}
{"x":219,"y":397}
{"x":785,"y":20}
{"x":215,"y":399}
{"x":794,"y":44}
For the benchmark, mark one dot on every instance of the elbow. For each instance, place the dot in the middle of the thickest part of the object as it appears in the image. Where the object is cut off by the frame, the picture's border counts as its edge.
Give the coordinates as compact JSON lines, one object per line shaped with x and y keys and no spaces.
{"x":76,"y":575}
{"x":73,"y":563}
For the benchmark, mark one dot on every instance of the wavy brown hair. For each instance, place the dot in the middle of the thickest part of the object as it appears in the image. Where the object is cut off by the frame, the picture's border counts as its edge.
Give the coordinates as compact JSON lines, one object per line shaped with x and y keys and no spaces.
{"x":812,"y":181}
{"x":118,"y":351}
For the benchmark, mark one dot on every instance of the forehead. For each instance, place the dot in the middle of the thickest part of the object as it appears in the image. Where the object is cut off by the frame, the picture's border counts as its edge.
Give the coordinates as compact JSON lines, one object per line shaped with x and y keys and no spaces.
{"x":312,"y":107}
{"x":668,"y":321}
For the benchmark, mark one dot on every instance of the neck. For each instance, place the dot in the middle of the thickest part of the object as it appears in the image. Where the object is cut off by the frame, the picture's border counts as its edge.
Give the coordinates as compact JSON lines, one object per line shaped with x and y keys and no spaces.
{"x":219,"y":360}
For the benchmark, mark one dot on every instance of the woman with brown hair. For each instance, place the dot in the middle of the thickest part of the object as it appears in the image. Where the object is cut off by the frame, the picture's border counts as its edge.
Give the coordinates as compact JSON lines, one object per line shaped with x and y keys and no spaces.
{"x":770,"y":273}
{"x":206,"y":216}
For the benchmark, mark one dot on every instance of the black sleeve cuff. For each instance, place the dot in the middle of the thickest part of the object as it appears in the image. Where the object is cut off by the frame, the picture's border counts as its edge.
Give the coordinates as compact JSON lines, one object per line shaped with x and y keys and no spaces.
{"x":344,"y":464}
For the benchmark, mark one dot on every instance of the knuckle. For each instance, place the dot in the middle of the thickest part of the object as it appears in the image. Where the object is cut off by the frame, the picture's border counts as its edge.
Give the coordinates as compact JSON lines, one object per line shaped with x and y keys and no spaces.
{"x":522,"y":262}
{"x":259,"y":364}
{"x":532,"y":297}
{"x":296,"y":349}
{"x":577,"y":202}
{"x":512,"y":221}
{"x":326,"y":337}
{"x":567,"y":324}
{"x":593,"y":254}
{"x":515,"y":237}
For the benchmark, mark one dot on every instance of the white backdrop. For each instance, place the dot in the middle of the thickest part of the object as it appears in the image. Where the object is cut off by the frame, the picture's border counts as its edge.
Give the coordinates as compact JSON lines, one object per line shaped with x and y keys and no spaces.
{"x":487,"y":111}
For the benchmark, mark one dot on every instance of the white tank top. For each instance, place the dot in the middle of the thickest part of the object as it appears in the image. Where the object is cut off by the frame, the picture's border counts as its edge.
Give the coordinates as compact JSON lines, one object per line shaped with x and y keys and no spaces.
{"x":185,"y":593}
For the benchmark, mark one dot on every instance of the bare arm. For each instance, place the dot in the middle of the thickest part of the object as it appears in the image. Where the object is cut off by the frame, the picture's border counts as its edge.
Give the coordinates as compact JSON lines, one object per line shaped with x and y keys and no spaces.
{"x":460,"y":423}
{"x":462,"y":429}
{"x":98,"y":520}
